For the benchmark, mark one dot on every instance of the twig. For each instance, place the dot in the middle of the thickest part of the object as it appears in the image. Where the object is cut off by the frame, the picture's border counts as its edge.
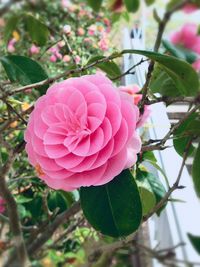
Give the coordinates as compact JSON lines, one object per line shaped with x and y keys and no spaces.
{"x":129,"y":71}
{"x":161,"y":27}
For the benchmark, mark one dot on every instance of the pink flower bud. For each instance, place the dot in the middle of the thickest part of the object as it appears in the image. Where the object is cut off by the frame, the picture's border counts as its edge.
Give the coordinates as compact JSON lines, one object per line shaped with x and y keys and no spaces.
{"x":53,"y":58}
{"x":34,"y":50}
{"x":80,"y":31}
{"x":67,"y":29}
{"x":77,"y":59}
{"x":66,"y":58}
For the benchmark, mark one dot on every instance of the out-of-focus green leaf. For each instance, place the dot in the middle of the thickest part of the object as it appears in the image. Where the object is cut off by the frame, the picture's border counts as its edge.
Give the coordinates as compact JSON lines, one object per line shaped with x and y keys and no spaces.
{"x":196,"y":171}
{"x":96,"y":5}
{"x":115,"y":208}
{"x":132,"y":5}
{"x":195,"y":240}
{"x":37,"y":30}
{"x":11,"y":25}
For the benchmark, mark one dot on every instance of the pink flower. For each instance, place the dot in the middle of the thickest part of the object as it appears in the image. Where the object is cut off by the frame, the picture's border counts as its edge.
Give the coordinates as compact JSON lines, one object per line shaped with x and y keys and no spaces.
{"x":66,"y":58}
{"x":92,"y":30}
{"x":87,"y":40}
{"x":104,"y":43}
{"x":82,"y":133}
{"x":80,"y":31}
{"x":67,"y":29}
{"x":53,"y":58}
{"x":65,"y":3}
{"x":11,"y":45}
{"x":190,"y":8}
{"x":34,"y":50}
{"x":2,"y":205}
{"x":133,"y":90}
{"x":187,"y":36}
{"x":196,"y":65}
{"x":77,"y":59}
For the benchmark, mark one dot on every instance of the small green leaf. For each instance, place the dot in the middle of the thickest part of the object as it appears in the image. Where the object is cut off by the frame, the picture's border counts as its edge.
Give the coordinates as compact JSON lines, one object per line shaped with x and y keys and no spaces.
{"x":110,"y":67}
{"x":23,"y":70}
{"x":156,"y":186}
{"x":146,"y":194}
{"x":182,"y":137}
{"x":183,"y":75}
{"x":57,"y":200}
{"x":148,"y":155}
{"x":95,"y":5}
{"x":196,"y":171}
{"x":132,"y":5}
{"x":10,"y":27}
{"x":180,"y":52}
{"x":195,"y":240}
{"x":115,"y":208}
{"x":37,"y":30}
{"x":149,"y":2}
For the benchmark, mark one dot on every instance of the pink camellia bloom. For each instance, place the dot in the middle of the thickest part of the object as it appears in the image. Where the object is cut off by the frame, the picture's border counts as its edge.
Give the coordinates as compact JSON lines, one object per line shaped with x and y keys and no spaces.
{"x":82,"y":133}
{"x":133,"y":90}
{"x":34,"y":50}
{"x":187,"y":36}
{"x":190,"y":8}
{"x":196,"y":65}
{"x":2,"y":205}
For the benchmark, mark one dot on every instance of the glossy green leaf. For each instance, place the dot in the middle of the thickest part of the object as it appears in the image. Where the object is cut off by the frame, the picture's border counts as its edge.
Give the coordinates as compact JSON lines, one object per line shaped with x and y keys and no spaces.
{"x":110,"y":67}
{"x":147,"y":196}
{"x":11,"y":25}
{"x":182,"y":74}
{"x":57,"y":200}
{"x":95,"y":5}
{"x":115,"y":208}
{"x":23,"y":70}
{"x":132,"y":5}
{"x":182,"y":136}
{"x":156,"y":186}
{"x":196,"y":171}
{"x":37,"y":30}
{"x":180,"y":52}
{"x":149,"y":2}
{"x":195,"y":241}
{"x":148,"y":155}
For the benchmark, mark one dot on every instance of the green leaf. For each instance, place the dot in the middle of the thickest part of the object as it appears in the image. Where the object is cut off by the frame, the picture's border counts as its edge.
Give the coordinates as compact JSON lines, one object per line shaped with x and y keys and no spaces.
{"x":196,"y":171}
{"x":95,"y":5}
{"x":148,"y":155}
{"x":146,"y":194}
{"x":149,"y":2}
{"x":132,"y":5}
{"x":195,"y":241}
{"x":156,"y":186}
{"x":22,"y":199}
{"x":180,"y":52}
{"x":37,"y":30}
{"x":10,"y":27}
{"x":110,"y":67}
{"x":183,"y":75}
{"x":23,"y":70}
{"x":182,"y":137}
{"x":57,"y":200}
{"x":115,"y":208}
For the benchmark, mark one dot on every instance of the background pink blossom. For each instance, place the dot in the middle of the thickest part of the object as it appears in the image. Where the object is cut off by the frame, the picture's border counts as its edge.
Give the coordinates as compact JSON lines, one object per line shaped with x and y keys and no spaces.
{"x":82,"y":133}
{"x":2,"y":205}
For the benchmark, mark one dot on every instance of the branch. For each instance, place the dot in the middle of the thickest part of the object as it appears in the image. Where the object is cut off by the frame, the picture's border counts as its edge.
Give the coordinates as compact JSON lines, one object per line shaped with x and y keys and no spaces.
{"x":161,"y":27}
{"x":22,"y":258}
